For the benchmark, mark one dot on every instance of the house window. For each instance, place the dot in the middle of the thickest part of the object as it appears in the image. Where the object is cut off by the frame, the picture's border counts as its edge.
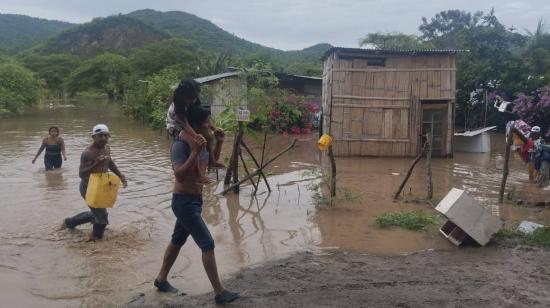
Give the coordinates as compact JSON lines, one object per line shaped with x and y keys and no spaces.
{"x":376,"y":61}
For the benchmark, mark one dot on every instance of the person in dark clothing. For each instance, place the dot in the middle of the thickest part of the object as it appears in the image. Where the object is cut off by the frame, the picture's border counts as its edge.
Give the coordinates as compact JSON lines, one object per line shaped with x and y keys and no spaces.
{"x":96,"y":158}
{"x":55,"y":147}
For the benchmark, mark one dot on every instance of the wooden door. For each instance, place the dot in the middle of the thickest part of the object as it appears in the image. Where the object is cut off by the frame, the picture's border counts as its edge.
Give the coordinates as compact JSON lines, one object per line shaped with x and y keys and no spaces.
{"x":436,"y":114}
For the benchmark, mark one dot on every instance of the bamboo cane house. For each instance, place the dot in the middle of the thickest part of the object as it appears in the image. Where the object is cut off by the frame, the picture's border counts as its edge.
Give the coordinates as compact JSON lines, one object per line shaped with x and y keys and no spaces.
{"x":381,"y":102}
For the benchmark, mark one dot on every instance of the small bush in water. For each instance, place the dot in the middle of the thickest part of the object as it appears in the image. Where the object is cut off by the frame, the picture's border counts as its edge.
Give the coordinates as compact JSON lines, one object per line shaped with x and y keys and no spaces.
{"x":407,"y":220}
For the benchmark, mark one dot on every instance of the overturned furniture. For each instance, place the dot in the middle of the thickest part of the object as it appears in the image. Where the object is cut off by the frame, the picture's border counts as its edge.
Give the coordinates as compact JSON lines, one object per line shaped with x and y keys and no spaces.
{"x":466,"y":218}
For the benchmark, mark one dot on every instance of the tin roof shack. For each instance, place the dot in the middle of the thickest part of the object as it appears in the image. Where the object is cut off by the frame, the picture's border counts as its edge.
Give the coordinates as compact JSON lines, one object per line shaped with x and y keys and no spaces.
{"x":307,"y":86}
{"x":231,"y":87}
{"x":225,"y":88}
{"x":381,"y":102}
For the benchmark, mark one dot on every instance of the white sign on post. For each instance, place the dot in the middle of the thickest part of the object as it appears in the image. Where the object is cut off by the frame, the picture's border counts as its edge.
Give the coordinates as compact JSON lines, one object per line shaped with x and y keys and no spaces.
{"x":243,"y":115}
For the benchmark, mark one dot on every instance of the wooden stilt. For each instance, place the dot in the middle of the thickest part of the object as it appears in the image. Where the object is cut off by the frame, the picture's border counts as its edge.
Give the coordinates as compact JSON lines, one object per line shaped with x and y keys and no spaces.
{"x":246,"y":171}
{"x":509,"y":139}
{"x":416,"y":160}
{"x":260,"y":170}
{"x":256,"y":162}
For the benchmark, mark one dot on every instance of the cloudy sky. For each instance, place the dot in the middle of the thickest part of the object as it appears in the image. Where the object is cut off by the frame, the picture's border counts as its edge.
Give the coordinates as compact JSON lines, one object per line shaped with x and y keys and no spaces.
{"x":293,"y":24}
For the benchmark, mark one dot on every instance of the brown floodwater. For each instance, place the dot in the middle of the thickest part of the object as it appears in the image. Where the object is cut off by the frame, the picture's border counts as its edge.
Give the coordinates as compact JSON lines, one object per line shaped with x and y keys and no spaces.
{"x":41,"y":266}
{"x":374,"y":181}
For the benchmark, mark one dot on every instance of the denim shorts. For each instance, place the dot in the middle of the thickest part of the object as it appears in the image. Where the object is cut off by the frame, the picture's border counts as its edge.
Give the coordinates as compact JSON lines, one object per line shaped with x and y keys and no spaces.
{"x":188,"y":209}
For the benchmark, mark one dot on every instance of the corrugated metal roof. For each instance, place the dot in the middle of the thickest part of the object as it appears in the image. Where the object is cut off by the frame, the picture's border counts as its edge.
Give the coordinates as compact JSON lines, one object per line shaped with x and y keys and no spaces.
{"x":207,"y":79}
{"x":472,"y":133}
{"x":370,"y":51}
{"x":210,"y":78}
{"x":307,"y":77}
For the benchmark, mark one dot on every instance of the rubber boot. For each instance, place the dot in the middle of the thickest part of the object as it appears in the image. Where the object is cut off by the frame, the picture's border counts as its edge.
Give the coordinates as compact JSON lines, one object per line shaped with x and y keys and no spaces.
{"x":98,"y":231}
{"x":82,"y":218}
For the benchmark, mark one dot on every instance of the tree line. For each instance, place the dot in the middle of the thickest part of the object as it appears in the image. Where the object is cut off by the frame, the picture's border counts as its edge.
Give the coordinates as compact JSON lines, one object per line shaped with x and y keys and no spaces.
{"x":502,"y":61}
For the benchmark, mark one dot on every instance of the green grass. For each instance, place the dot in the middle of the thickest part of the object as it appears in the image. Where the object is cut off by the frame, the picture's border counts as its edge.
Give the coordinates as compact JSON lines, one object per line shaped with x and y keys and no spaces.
{"x":540,"y":237}
{"x":407,"y":220}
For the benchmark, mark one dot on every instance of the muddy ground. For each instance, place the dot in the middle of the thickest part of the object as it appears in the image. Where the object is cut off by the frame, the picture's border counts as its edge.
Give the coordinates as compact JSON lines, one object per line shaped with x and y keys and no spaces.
{"x":496,"y":276}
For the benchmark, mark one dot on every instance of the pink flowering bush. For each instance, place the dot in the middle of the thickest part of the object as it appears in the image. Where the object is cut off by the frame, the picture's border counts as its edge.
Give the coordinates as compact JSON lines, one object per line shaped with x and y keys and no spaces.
{"x":534,"y":108}
{"x":290,"y":114}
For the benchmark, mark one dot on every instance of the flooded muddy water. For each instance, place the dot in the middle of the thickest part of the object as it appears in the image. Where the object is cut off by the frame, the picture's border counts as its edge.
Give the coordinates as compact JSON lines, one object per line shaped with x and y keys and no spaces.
{"x":375,"y":180}
{"x":41,"y":266}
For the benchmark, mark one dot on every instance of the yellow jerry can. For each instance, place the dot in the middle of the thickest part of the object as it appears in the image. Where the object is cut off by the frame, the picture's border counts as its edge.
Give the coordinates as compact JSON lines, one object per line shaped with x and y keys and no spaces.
{"x":102,"y":190}
{"x":324,"y":142}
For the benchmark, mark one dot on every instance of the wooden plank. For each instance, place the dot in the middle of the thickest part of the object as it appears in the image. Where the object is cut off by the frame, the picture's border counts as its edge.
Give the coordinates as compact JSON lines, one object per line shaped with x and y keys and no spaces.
{"x":380,"y":70}
{"x":376,"y":140}
{"x":400,"y":124}
{"x":357,"y":124}
{"x":346,"y":133}
{"x":381,"y":98}
{"x":372,"y":122}
{"x":360,"y":63}
{"x":388,"y":124}
{"x":355,"y":148}
{"x":374,"y":106}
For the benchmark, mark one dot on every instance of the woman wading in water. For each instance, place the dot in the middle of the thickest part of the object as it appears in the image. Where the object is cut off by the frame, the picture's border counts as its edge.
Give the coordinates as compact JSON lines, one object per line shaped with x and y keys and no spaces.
{"x":55,"y":147}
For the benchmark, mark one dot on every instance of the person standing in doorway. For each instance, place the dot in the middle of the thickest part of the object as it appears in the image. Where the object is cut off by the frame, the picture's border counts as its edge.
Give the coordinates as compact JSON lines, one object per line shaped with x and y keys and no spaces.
{"x":186,"y":153}
{"x":96,"y":158}
{"x":55,"y":147}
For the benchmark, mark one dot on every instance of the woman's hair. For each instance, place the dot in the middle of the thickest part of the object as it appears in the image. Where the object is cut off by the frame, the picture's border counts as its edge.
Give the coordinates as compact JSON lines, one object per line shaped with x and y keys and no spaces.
{"x":196,"y":115}
{"x":186,"y":89}
{"x":54,"y":127}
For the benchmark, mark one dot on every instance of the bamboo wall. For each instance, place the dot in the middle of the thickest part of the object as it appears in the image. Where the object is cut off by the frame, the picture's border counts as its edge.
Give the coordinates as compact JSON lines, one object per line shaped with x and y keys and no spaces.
{"x":376,"y":110}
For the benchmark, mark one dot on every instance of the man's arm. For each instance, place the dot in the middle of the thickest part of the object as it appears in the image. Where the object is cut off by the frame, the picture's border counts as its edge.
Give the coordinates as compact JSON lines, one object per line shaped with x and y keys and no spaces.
{"x":113,"y":167}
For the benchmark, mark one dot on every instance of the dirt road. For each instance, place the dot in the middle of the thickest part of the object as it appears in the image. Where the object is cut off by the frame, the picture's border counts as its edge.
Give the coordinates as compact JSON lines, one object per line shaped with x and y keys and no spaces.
{"x":496,"y":276}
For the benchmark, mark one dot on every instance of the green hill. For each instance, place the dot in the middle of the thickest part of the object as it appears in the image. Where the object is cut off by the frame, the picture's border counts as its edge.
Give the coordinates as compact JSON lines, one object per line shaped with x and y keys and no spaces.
{"x":193,"y":28}
{"x":18,"y":32}
{"x":113,"y":34}
{"x":143,"y":28}
{"x":213,"y":38}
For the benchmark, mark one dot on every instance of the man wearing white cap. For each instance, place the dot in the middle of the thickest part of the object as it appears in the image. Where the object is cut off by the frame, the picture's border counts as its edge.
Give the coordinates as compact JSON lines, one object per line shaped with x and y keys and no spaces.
{"x":96,"y":158}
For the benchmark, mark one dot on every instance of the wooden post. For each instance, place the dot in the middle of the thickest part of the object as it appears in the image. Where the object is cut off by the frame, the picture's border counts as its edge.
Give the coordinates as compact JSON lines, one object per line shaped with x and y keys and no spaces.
{"x":429,"y":183}
{"x":256,"y":162}
{"x":257,"y":172}
{"x":262,"y":163}
{"x":416,"y":160}
{"x":332,"y":171}
{"x":509,"y":139}
{"x":237,"y":152}
{"x":246,"y":170}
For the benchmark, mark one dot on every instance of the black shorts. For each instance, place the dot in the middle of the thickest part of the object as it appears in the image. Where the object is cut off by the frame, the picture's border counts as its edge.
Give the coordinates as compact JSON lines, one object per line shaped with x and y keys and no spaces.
{"x":52,"y":161}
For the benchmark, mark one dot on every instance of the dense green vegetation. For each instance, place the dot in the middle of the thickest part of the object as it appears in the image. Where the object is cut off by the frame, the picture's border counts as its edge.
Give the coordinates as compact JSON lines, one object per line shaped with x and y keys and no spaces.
{"x":116,"y":56}
{"x":18,"y":32}
{"x":18,"y":87}
{"x":500,"y":61}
